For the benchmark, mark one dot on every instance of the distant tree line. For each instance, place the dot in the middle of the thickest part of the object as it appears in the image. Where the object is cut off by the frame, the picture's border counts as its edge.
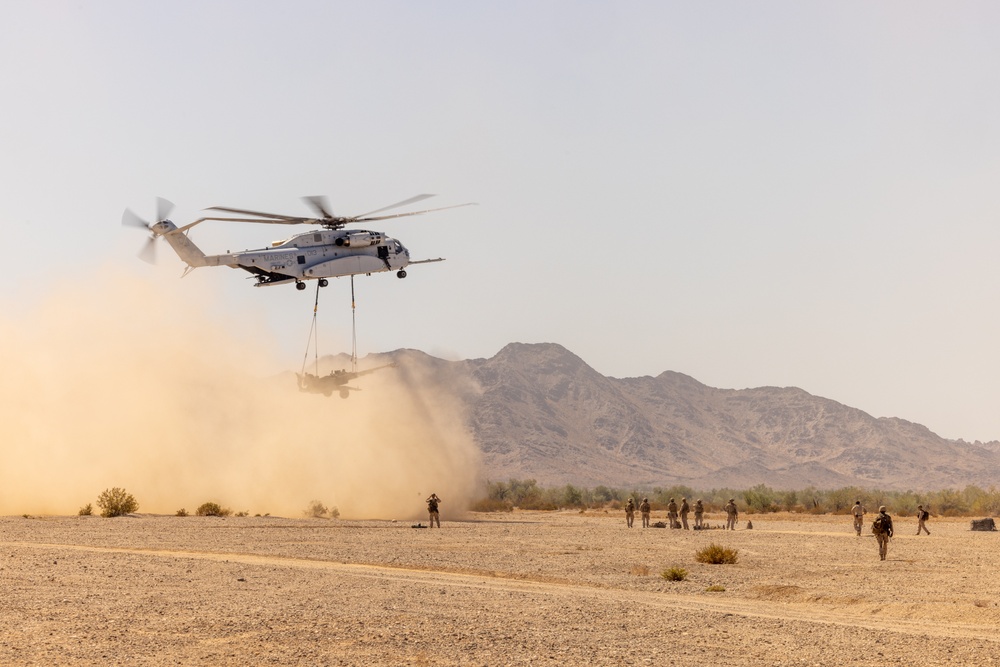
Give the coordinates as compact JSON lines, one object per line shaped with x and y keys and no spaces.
{"x":527,"y":494}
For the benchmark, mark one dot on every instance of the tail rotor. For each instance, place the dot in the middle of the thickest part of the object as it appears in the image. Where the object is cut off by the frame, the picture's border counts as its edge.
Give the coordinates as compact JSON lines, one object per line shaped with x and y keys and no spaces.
{"x":131,"y":219}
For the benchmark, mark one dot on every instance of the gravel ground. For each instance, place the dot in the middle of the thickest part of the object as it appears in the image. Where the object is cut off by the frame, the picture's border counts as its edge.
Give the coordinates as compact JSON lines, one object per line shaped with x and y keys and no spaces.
{"x":524,"y":588}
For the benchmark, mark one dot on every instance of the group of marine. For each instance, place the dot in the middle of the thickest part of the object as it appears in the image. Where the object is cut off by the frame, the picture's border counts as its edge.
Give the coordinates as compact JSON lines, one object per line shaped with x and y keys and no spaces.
{"x":678,"y":515}
{"x":881,"y":526}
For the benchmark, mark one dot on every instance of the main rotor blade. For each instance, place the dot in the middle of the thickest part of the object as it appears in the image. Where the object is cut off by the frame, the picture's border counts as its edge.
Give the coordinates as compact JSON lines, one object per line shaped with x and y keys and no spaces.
{"x":226,"y":209}
{"x":148,"y":252}
{"x":278,"y":221}
{"x":130,"y":219}
{"x":163,"y":208}
{"x":411,"y":200}
{"x":320,"y":205}
{"x":403,"y":215}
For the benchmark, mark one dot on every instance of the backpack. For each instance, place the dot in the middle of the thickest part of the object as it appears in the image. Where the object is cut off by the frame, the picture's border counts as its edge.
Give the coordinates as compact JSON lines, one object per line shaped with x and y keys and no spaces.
{"x":880,"y":525}
{"x":925,"y":515}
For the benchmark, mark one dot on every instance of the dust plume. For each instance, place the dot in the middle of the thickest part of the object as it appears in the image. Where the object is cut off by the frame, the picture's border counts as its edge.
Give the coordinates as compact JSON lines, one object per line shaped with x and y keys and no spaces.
{"x":129,"y":384}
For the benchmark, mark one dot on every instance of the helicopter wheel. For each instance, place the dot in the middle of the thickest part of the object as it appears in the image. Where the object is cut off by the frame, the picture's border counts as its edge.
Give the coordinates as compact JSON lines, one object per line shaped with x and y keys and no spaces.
{"x":401,"y":274}
{"x":300,"y":286}
{"x":323,"y":282}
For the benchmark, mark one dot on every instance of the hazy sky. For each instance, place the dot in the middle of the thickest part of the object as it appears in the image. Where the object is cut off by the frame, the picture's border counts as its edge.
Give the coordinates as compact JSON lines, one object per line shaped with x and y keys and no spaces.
{"x":771,"y":193}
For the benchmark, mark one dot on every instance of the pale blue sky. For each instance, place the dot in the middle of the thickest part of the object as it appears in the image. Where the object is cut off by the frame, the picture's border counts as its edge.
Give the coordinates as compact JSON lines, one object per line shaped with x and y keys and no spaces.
{"x":772,"y":193}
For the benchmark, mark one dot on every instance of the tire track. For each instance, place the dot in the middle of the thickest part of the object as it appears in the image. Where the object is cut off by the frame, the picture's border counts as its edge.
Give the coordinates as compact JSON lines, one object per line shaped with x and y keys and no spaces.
{"x":795,"y":612}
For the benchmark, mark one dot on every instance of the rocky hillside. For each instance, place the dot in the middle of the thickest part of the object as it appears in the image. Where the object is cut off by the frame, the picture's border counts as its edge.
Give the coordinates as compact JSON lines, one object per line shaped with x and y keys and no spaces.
{"x":541,"y":412}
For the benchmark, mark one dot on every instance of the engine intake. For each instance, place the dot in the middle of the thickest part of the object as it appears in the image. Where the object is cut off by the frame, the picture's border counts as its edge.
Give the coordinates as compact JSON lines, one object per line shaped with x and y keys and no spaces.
{"x":359,"y":239}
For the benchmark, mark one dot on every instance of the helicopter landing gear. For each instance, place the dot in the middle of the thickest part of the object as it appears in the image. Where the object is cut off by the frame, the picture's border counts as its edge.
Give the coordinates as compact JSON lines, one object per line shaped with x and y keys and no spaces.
{"x":401,"y":274}
{"x":300,"y":286}
{"x":323,"y":282}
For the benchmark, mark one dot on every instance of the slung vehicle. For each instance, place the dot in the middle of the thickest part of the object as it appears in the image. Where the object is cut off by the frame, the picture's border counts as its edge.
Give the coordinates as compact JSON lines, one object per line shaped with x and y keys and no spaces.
{"x":329,"y":252}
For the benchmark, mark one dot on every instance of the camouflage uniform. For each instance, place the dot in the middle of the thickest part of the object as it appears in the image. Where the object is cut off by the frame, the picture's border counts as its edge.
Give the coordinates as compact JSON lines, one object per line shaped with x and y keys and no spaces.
{"x":685,"y":508}
{"x":731,"y":514}
{"x":922,"y":516}
{"x":859,"y":516}
{"x":629,"y":512}
{"x":644,"y":509}
{"x":672,"y":513}
{"x":432,"y":510}
{"x":699,"y":512}
{"x":883,"y":537}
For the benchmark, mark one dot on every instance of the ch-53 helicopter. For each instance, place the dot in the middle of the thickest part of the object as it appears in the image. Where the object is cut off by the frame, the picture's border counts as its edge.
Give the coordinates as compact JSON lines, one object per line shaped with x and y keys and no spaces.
{"x":331,"y":252}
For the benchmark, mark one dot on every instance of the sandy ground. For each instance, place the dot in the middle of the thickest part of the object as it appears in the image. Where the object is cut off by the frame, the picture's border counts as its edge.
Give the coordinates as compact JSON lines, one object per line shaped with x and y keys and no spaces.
{"x":492,"y":589}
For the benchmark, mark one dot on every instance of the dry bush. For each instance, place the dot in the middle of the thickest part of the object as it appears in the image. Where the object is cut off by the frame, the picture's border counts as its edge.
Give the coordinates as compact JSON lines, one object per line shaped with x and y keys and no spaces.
{"x":86,"y":510}
{"x":492,"y":505}
{"x":716,"y":554}
{"x":674,"y":574}
{"x":715,"y":588}
{"x":117,"y":502}
{"x":318,"y":510}
{"x":640,"y":570}
{"x":213,"y":509}
{"x":181,"y":512}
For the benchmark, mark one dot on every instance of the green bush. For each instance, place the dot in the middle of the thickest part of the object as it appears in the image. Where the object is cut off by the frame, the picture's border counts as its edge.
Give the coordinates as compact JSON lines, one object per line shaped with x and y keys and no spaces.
{"x":116,"y":502}
{"x":213,"y":509}
{"x":675,"y":574}
{"x":716,"y":554}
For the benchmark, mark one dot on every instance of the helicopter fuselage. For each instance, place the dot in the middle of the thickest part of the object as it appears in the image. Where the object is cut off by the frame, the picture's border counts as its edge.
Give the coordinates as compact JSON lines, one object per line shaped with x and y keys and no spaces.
{"x":312,"y":255}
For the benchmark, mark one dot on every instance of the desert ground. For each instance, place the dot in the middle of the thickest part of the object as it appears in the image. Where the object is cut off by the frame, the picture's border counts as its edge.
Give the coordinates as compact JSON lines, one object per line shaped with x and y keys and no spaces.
{"x":520,"y":588}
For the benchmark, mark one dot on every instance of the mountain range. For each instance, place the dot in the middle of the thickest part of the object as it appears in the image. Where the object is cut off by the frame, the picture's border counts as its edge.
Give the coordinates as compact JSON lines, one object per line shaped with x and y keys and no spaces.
{"x":537,"y":411}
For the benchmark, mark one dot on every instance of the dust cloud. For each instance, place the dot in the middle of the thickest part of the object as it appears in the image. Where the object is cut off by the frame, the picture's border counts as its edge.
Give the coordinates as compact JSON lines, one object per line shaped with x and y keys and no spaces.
{"x":127,"y":383}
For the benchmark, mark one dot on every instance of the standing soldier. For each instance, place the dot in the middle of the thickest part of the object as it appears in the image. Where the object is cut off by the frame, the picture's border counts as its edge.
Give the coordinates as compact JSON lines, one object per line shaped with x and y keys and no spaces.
{"x":882,"y":527}
{"x":859,"y":512}
{"x":432,"y":510}
{"x":699,"y":512}
{"x":629,"y":512}
{"x":685,"y":508}
{"x":922,"y":516}
{"x":644,"y":509}
{"x":672,"y":513}
{"x":731,"y":514}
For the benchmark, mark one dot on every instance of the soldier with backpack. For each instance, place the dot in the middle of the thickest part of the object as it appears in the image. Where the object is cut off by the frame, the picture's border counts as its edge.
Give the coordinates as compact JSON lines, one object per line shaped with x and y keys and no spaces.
{"x":882,"y":528}
{"x":630,"y":512}
{"x":922,"y":516}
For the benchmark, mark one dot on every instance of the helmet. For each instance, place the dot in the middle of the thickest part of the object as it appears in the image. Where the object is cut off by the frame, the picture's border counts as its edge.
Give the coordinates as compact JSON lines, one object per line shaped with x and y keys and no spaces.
{"x":882,"y":508}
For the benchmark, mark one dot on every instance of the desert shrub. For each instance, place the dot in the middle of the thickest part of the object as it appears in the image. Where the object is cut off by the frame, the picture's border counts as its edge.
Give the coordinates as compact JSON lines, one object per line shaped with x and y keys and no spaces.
{"x":492,"y":505}
{"x":674,"y":574}
{"x":316,"y":510}
{"x":716,"y":554}
{"x":181,"y":512}
{"x":716,"y":588}
{"x":213,"y":509}
{"x":243,"y":513}
{"x":117,"y":502}
{"x":86,"y":510}
{"x":639,"y":570}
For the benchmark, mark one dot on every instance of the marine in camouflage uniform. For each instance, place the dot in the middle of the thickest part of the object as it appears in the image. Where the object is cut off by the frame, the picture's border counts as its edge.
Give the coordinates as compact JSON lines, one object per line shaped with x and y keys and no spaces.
{"x":885,"y":534}
{"x":629,"y":512}
{"x":685,"y":508}
{"x":432,"y":510}
{"x":732,"y":514}
{"x":922,"y":516}
{"x":644,"y":510}
{"x":859,"y":514}
{"x":699,"y":513}
{"x":672,"y":513}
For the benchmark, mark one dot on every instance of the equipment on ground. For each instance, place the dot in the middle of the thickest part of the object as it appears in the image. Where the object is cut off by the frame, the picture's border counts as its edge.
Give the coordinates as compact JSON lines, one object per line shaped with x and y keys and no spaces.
{"x":329,"y":252}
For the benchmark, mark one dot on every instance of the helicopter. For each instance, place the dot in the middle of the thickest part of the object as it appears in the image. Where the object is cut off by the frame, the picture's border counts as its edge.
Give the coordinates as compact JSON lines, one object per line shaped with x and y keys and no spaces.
{"x":336,"y":381}
{"x":330,"y":252}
